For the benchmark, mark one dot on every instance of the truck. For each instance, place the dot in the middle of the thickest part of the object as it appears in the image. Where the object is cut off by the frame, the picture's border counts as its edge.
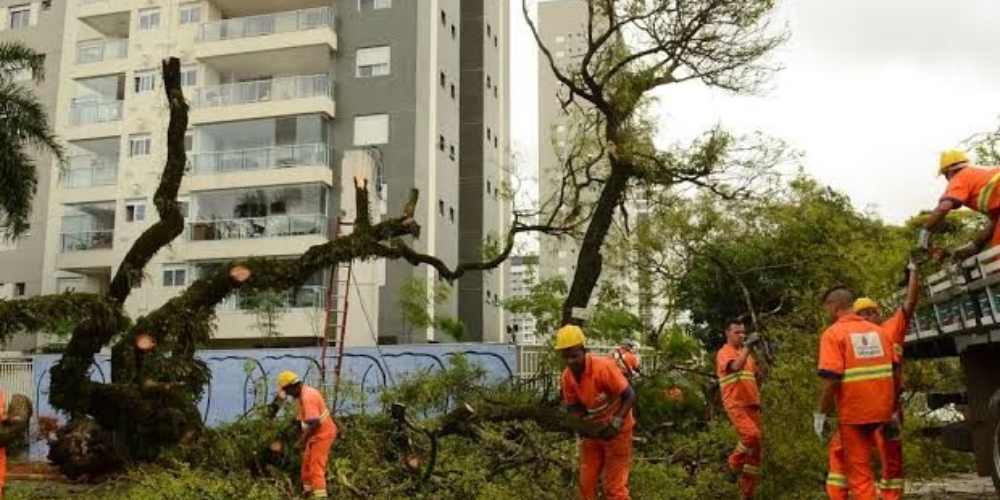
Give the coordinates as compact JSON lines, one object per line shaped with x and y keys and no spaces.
{"x":960,"y":317}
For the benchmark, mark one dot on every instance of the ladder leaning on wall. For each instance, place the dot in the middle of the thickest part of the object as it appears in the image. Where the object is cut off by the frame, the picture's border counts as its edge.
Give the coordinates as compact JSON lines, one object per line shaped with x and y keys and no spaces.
{"x":335,"y":321}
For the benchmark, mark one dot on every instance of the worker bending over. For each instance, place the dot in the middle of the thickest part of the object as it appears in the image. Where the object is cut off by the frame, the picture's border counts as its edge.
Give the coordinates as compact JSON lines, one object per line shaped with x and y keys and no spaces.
{"x":972,"y":186}
{"x":857,"y":373}
{"x":318,"y":431}
{"x":737,"y":372}
{"x":626,"y":356}
{"x":594,"y":389}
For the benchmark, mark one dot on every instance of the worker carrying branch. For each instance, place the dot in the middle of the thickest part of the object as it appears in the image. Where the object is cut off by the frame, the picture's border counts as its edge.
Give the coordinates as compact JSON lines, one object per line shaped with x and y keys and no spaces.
{"x":972,"y":186}
{"x":856,"y":366}
{"x":318,"y":431}
{"x":888,"y":438}
{"x":737,"y":372}
{"x":594,"y":389}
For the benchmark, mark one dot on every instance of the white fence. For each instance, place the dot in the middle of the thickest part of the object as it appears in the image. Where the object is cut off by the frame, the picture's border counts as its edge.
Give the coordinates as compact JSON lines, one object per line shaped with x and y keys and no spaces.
{"x":16,"y":377}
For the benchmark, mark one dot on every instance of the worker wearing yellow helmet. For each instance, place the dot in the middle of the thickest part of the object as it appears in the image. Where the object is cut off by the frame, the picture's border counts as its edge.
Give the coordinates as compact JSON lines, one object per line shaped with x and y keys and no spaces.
{"x":318,"y":431}
{"x":971,"y":186}
{"x":888,"y":438}
{"x":594,"y":388}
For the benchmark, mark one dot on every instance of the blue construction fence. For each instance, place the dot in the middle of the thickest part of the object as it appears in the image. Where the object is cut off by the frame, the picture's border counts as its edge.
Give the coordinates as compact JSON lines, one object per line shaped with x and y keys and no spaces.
{"x":242,"y":378}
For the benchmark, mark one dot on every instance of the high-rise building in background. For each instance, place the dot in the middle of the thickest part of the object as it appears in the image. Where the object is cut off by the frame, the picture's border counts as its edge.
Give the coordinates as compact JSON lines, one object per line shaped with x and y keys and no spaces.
{"x":37,"y":24}
{"x":289,"y":101}
{"x":523,"y":276}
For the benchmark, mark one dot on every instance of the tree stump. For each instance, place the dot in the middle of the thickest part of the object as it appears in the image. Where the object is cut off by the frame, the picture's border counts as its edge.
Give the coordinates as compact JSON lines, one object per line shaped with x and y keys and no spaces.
{"x":14,"y":429}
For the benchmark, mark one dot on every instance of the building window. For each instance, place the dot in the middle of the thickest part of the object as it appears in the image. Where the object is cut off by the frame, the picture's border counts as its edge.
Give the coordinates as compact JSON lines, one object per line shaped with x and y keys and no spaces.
{"x":373,"y":61}
{"x":189,"y":76}
{"x":190,"y":13}
{"x":184,"y":207}
{"x":451,"y":213}
{"x":441,"y":207}
{"x":441,"y":142}
{"x":489,"y":187}
{"x":20,"y":16}
{"x":46,"y":4}
{"x":174,"y":275}
{"x":496,"y":41}
{"x":374,"y":4}
{"x":454,"y":32}
{"x":188,"y":142}
{"x":371,"y":129}
{"x":453,"y":91}
{"x":496,"y":142}
{"x":444,"y":18}
{"x":489,"y":134}
{"x":441,"y":77}
{"x":489,"y":81}
{"x":135,"y":211}
{"x":139,"y":145}
{"x":145,"y":81}
{"x":149,"y":19}
{"x":496,"y":91}
{"x":489,"y":31}
{"x":20,"y":290}
{"x":451,"y":152}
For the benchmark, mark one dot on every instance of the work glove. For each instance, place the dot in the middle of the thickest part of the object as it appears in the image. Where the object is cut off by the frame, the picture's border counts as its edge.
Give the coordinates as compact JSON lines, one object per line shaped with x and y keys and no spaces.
{"x":892,"y":429}
{"x":752,"y":340}
{"x":924,"y":239}
{"x":819,"y":424}
{"x":911,"y":267}
{"x":612,"y":429}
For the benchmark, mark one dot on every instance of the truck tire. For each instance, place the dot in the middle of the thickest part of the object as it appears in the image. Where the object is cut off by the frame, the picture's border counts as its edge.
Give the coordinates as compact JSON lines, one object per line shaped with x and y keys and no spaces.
{"x":995,"y":470}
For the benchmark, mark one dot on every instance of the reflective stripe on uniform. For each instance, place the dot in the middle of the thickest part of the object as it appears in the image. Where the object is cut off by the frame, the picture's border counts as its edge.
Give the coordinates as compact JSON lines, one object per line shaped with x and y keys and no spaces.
{"x":319,"y":494}
{"x":751,"y":470}
{"x":735,"y":377}
{"x":867,"y":373}
{"x":986,"y":193}
{"x":838,"y":480}
{"x":741,"y":448}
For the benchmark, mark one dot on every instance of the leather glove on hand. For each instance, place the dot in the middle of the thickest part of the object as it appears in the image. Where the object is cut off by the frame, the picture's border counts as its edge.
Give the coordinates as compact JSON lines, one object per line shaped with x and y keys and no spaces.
{"x":819,"y":424}
{"x":612,"y":429}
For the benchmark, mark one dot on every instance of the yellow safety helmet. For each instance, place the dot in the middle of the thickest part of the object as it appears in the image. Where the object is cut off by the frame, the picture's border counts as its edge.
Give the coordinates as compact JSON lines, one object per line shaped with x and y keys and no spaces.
{"x":864,"y":303}
{"x":569,"y":336}
{"x":287,"y":378}
{"x":950,"y":158}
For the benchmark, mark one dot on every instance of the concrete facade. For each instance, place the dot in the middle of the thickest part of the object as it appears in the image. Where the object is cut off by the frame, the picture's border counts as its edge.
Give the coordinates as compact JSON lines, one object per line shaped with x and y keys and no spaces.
{"x":289,"y":103}
{"x":523,"y":276}
{"x":21,"y":260}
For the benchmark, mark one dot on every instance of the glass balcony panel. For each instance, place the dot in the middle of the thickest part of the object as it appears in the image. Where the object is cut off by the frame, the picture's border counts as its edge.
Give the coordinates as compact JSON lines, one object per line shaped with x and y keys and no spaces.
{"x":87,"y":111}
{"x":266,"y":90}
{"x":268,"y":24}
{"x":90,"y":170}
{"x":93,"y":51}
{"x":275,"y":226}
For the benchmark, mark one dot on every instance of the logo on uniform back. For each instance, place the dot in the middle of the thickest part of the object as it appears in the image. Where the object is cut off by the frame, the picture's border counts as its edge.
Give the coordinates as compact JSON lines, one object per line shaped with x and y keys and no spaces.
{"x":867,"y":345}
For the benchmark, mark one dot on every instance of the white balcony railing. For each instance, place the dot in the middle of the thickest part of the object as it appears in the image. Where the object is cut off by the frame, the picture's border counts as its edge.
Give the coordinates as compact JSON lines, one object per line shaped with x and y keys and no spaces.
{"x":87,"y":240}
{"x":274,"y":89}
{"x":305,"y":297}
{"x":274,"y":226}
{"x":220,"y":162}
{"x":94,"y":51}
{"x":84,"y":112}
{"x":267,"y":24}
{"x":90,"y":170}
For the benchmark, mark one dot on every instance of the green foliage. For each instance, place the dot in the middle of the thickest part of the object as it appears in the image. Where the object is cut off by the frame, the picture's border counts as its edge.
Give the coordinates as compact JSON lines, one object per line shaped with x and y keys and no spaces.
{"x":180,"y":481}
{"x":433,"y":391}
{"x":268,"y":307}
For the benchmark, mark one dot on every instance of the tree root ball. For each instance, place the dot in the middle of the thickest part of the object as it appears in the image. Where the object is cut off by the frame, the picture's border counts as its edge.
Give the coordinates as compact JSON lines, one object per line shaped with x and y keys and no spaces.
{"x":84,"y":448}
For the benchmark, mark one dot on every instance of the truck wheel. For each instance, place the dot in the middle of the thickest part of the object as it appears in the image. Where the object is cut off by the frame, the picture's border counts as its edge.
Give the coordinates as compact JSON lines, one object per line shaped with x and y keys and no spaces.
{"x":995,"y":470}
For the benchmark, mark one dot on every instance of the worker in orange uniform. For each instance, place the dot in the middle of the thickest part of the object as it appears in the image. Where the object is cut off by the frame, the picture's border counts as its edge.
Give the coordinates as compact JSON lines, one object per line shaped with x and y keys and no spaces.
{"x":627,"y":358}
{"x":972,"y":186}
{"x":318,"y":431}
{"x":888,"y":439}
{"x":856,"y":366}
{"x":737,"y":372}
{"x":594,"y":389}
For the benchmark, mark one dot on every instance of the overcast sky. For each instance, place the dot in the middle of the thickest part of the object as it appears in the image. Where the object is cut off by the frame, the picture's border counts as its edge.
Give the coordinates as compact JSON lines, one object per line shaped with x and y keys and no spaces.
{"x":872,"y":90}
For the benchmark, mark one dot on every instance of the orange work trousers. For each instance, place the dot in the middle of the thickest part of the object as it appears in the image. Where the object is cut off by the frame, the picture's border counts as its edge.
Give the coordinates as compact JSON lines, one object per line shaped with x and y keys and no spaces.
{"x":850,"y":464}
{"x":3,"y":470}
{"x":746,"y":458}
{"x":611,"y":459}
{"x":314,"y":460}
{"x":890,"y":450}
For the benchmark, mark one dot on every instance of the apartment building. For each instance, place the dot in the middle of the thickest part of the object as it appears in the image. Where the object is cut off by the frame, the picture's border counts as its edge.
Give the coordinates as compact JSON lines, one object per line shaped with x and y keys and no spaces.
{"x":37,"y":24}
{"x":523,"y":276}
{"x":290,"y":100}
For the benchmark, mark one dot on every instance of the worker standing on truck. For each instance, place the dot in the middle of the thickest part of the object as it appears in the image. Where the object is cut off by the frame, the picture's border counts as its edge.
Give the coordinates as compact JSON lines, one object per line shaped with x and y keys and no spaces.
{"x":972,"y":186}
{"x":737,"y":372}
{"x":856,"y":361}
{"x":318,"y":431}
{"x":888,"y":439}
{"x":626,"y":356}
{"x":594,"y":389}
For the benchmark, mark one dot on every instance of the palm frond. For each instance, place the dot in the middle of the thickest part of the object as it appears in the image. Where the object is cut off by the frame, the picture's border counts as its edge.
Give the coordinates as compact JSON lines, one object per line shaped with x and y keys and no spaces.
{"x":15,"y":56}
{"x":24,"y":119}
